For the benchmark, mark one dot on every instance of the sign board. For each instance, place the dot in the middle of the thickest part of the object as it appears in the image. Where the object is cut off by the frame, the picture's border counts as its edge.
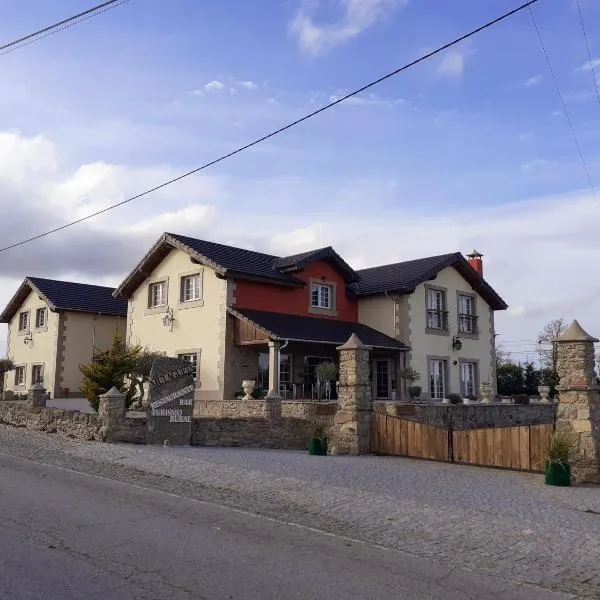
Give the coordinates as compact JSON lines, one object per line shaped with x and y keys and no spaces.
{"x":171,"y":401}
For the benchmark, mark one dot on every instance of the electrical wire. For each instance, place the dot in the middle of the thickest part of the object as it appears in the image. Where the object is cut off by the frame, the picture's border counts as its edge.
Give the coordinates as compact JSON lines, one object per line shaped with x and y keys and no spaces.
{"x":31,"y":38}
{"x":589,"y":52}
{"x":281,"y":129}
{"x":564,"y":108}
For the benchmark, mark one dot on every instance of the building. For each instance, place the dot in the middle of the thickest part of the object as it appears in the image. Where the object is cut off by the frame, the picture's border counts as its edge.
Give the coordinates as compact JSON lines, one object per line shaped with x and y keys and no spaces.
{"x":238,"y":314}
{"x":53,"y":327}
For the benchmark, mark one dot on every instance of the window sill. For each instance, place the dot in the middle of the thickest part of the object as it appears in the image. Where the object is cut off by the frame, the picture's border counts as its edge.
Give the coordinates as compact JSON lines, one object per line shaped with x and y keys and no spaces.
{"x":23,"y":331}
{"x":156,"y":310}
{"x":190,"y":304}
{"x":40,"y":329}
{"x":432,"y":331}
{"x":468,"y":336}
{"x":329,"y":312}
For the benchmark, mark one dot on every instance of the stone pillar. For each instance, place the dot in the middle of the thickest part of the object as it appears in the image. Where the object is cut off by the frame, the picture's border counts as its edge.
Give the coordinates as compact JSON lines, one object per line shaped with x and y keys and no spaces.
{"x":36,"y":398}
{"x":110,"y":411}
{"x":579,"y":401}
{"x":352,"y":424}
{"x":272,"y":408}
{"x":273,"y":369}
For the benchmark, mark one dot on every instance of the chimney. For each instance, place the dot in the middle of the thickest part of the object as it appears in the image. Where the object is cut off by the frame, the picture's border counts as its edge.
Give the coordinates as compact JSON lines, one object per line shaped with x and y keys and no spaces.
{"x":475,"y":261}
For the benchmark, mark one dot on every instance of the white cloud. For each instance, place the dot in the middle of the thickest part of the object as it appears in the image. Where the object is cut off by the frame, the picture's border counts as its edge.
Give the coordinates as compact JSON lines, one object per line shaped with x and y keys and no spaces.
{"x":366,"y":100}
{"x":535,"y":164}
{"x":525,"y":136}
{"x":214,"y":86}
{"x":535,"y":80}
{"x":452,"y":64}
{"x":357,"y":16}
{"x":578,"y":96}
{"x":590,"y":65}
{"x":196,"y":93}
{"x":249,"y":85}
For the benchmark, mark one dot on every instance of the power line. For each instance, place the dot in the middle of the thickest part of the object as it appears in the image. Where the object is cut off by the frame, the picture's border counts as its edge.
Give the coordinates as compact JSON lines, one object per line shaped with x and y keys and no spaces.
{"x":281,"y":129}
{"x":589,"y":52}
{"x":564,"y":107}
{"x":31,"y":38}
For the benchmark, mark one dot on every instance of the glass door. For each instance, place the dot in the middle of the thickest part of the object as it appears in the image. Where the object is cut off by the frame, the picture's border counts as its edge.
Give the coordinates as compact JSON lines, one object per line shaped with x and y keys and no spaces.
{"x":382,"y":378}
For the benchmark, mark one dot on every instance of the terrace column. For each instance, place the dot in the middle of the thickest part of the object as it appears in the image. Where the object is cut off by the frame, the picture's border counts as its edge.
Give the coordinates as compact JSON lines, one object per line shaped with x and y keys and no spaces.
{"x":274,"y":369}
{"x":579,"y":401}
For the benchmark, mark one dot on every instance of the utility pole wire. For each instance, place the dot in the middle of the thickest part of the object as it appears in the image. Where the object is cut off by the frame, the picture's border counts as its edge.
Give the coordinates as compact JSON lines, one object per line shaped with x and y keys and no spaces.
{"x":589,"y":52}
{"x":306,"y":117}
{"x":49,"y":28}
{"x":564,"y":108}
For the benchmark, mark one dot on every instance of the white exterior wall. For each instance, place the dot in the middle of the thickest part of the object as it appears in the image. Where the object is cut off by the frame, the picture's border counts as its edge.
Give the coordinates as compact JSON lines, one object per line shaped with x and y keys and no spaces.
{"x":41,"y":351}
{"x":196,"y":329}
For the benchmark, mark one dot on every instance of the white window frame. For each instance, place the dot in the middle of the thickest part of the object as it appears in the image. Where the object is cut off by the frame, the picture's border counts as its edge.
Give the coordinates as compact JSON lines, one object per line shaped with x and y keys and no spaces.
{"x":317,"y":296}
{"x":465,"y":390}
{"x":38,"y":312}
{"x":20,"y":381}
{"x":437,"y":368}
{"x":162,"y":300}
{"x":24,"y":315}
{"x":436,"y":301}
{"x":195,"y":290}
{"x":33,"y":370}
{"x":192,"y":358}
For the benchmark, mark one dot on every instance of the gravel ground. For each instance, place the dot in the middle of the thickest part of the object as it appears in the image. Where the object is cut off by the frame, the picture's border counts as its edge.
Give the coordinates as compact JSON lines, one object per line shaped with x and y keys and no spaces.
{"x":499,"y":522}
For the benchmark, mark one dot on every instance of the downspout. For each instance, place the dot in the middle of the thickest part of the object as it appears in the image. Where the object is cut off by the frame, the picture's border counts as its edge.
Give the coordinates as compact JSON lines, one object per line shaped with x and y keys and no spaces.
{"x":282,"y":347}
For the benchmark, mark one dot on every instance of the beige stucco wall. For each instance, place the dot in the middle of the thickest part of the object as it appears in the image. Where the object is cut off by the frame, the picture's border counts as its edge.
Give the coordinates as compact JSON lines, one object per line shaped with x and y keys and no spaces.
{"x":81,"y":333}
{"x":407,"y":319}
{"x":196,"y":328}
{"x":41,"y":351}
{"x":426,"y":344}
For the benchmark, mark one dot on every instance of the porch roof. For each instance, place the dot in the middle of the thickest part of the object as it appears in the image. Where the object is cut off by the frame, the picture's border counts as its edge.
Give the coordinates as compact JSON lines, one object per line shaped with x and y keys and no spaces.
{"x":297,"y":328}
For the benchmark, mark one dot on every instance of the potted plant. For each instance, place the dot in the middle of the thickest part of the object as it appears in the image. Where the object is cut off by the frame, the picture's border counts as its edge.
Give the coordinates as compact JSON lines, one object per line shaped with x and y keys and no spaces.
{"x":326,"y":372}
{"x":453,"y":399}
{"x":557,"y":469}
{"x":317,"y":442}
{"x":414,"y":392}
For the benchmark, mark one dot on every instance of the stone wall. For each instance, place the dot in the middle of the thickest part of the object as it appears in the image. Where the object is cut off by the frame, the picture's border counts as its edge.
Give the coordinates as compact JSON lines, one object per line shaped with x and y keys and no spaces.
{"x":228,"y":409}
{"x":471,"y":416}
{"x":72,"y":423}
{"x":289,"y":433}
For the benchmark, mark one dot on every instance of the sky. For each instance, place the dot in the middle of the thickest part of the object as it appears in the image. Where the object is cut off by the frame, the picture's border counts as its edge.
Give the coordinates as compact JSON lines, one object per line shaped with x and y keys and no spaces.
{"x":470,"y":149}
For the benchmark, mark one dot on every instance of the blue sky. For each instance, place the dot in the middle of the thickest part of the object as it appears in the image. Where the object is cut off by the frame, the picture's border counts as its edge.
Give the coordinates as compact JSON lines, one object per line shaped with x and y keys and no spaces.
{"x":468,"y":149}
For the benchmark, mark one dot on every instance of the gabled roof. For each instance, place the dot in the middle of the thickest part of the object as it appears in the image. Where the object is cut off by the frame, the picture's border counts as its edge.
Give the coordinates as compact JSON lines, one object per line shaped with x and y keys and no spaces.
{"x":299,"y":261}
{"x":314,"y":329}
{"x":66,"y":295}
{"x":232,"y":261}
{"x":404,"y":277}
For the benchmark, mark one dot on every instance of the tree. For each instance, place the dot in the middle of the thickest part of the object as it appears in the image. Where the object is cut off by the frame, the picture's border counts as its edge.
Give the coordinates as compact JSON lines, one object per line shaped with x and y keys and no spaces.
{"x":6,"y":365}
{"x":121,"y":366}
{"x":532,"y":377}
{"x":510,"y":379}
{"x":549,"y":348}
{"x":502,"y":356}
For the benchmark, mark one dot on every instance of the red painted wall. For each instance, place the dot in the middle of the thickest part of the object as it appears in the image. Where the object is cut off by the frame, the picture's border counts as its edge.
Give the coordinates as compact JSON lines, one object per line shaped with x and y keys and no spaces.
{"x":295,"y":301}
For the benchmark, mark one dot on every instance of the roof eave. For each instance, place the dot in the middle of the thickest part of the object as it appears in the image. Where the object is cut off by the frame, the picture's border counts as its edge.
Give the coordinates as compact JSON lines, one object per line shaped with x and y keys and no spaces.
{"x":19,"y":297}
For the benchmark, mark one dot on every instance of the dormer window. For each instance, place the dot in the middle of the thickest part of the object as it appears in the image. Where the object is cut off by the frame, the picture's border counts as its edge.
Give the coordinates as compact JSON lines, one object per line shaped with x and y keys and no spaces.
{"x":322,"y":296}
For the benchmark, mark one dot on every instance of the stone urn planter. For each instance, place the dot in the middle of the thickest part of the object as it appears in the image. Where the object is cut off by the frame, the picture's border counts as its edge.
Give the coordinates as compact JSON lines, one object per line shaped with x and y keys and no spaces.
{"x":486,"y":390}
{"x":248,"y":386}
{"x":544,"y":392}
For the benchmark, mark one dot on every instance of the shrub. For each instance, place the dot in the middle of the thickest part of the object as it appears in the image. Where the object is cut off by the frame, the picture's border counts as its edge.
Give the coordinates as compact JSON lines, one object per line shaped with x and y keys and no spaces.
{"x":454,"y":398}
{"x":414,"y":391}
{"x":521,"y":399}
{"x":559,"y":446}
{"x":326,"y":371}
{"x":317,"y":431}
{"x":410,"y":375}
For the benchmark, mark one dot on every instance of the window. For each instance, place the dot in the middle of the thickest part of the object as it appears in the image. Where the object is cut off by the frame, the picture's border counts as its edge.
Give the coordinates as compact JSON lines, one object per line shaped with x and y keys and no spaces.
{"x":468,"y":379}
{"x":321,"y":296}
{"x":192,"y":359}
{"x":40,"y":318}
{"x":438,"y":379}
{"x":437,"y":316}
{"x":467,"y":320}
{"x":24,"y":321}
{"x":157,"y":294}
{"x":285,"y":370}
{"x":37,"y":374}
{"x":190,"y":288}
{"x":19,"y":375}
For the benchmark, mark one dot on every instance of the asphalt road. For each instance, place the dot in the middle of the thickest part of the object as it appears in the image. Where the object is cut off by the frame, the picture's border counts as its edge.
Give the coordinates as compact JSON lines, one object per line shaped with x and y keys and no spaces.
{"x":65,"y":535}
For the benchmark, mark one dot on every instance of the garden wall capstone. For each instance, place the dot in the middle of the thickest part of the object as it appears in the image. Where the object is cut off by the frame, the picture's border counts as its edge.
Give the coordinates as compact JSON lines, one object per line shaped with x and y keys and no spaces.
{"x":471,"y":416}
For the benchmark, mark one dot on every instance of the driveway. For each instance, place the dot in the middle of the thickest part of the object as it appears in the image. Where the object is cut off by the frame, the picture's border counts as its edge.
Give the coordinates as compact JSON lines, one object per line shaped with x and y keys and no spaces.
{"x":493,"y":522}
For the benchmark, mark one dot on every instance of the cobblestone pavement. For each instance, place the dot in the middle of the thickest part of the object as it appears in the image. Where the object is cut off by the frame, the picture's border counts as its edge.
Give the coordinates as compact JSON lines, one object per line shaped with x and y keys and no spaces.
{"x":498,"y":522}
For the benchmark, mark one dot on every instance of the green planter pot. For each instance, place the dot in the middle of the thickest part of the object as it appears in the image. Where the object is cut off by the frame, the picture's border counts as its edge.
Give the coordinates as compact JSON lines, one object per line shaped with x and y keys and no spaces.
{"x":557,"y":474}
{"x":317,"y":446}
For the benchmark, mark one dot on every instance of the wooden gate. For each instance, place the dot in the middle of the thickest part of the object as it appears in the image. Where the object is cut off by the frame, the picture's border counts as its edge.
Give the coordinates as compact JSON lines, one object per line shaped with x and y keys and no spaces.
{"x":520,"y":447}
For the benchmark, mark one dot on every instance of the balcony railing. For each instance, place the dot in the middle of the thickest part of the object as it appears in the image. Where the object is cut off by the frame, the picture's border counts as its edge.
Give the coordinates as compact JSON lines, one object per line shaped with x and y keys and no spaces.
{"x":437,"y":319}
{"x":468,"y":324}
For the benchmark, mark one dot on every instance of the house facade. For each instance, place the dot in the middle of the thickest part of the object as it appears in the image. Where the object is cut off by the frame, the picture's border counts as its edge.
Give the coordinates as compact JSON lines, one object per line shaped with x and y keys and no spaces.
{"x":238,"y":314}
{"x":53,"y":327}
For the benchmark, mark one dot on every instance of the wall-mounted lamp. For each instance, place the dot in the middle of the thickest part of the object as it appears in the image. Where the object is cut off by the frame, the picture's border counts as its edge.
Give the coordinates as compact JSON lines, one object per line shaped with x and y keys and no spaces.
{"x":169,"y":318}
{"x":456,"y":343}
{"x":28,"y":339}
